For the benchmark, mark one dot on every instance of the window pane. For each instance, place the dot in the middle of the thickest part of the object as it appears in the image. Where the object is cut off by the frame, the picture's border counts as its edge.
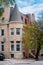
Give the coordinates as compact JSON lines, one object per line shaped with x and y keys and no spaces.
{"x":2,"y":42}
{"x":12,"y":47}
{"x":12,"y":31}
{"x":2,"y":48}
{"x":3,"y":19}
{"x":25,"y":21}
{"x":18,"y":31}
{"x":17,"y":47}
{"x":2,"y":32}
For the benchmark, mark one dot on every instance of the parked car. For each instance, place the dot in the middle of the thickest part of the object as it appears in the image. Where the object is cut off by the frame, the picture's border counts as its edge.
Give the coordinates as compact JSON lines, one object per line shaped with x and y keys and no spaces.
{"x":2,"y":57}
{"x":41,"y":52}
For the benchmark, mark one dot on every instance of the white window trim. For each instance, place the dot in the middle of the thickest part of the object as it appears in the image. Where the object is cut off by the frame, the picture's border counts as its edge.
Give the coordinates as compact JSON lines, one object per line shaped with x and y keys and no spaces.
{"x":20,"y":31}
{"x":1,"y":32}
{"x":4,"y":47}
{"x":10,"y":47}
{"x":13,"y":31}
{"x":16,"y":48}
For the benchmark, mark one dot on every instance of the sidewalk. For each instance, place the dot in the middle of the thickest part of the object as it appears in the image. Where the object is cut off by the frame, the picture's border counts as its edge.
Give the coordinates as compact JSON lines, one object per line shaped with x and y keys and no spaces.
{"x":20,"y":60}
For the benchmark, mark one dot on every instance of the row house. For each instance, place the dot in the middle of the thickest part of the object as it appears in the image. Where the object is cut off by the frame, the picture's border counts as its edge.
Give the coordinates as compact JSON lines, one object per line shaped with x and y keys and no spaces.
{"x":11,"y":33}
{"x":11,"y":26}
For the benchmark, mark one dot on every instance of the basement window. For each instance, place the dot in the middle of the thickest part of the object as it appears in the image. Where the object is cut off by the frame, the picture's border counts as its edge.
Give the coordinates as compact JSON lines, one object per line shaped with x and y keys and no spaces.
{"x":12,"y":55}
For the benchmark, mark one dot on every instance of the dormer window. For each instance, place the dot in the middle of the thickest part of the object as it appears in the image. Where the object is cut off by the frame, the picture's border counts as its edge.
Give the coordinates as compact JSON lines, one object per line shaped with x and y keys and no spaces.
{"x":3,"y":19}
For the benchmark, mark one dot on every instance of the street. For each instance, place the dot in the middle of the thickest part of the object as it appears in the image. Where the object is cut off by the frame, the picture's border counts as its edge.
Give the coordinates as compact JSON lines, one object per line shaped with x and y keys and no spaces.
{"x":21,"y":62}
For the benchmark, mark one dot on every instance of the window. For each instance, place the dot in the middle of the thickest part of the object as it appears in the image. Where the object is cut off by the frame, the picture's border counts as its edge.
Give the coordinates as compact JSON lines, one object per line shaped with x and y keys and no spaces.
{"x":12,"y":45}
{"x":3,"y":19}
{"x":17,"y":45}
{"x":12,"y":55}
{"x":22,"y":18}
{"x":18,"y":31}
{"x":27,"y":16}
{"x":12,"y":31}
{"x":2,"y":46}
{"x":2,"y":32}
{"x":25,"y":21}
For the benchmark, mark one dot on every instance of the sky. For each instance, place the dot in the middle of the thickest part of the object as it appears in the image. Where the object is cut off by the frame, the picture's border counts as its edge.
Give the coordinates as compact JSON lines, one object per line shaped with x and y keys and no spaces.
{"x":30,"y":6}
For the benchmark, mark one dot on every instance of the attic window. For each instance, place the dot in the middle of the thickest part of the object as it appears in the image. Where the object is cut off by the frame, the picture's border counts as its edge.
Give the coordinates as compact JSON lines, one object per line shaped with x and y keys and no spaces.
{"x":3,"y":19}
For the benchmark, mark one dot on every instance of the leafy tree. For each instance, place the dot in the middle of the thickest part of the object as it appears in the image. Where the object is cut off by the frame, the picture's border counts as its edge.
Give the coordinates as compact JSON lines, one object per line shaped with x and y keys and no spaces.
{"x":40,"y":35}
{"x":5,"y":2}
{"x":1,"y":11}
{"x":33,"y":37}
{"x":30,"y":36}
{"x":40,"y":24}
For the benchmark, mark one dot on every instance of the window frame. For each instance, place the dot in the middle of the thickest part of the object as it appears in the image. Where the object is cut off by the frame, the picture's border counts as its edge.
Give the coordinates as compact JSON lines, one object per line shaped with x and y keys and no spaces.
{"x":2,"y":32}
{"x":13,"y":55}
{"x":11,"y":43}
{"x":18,"y":48}
{"x":11,"y":31}
{"x":2,"y":44}
{"x":17,"y":32}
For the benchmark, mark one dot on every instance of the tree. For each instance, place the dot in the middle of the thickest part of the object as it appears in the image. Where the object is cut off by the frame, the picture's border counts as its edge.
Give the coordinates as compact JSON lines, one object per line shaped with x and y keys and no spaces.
{"x":1,"y":11}
{"x":40,"y":24}
{"x":5,"y":3}
{"x":40,"y":35}
{"x":30,"y":36}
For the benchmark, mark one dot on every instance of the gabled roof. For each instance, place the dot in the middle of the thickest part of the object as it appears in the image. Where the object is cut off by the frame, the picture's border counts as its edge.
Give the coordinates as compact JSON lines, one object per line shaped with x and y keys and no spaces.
{"x":15,"y":15}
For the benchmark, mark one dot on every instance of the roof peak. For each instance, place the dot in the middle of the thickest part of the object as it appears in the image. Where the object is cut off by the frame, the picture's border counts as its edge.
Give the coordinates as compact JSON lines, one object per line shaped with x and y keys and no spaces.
{"x":15,"y":14}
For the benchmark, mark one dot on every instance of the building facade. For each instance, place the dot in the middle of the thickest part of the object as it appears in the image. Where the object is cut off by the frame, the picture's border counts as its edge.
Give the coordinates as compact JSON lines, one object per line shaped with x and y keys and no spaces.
{"x":11,"y":26}
{"x":11,"y":33}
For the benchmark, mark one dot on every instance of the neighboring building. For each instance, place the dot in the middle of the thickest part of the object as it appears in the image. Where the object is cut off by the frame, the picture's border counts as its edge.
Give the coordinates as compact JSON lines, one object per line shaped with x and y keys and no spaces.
{"x":28,"y":18}
{"x":11,"y":33}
